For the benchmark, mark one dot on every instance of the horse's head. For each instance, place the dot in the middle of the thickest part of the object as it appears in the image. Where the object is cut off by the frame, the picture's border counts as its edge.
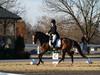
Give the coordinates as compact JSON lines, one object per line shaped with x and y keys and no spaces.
{"x":35,"y":37}
{"x":42,"y":37}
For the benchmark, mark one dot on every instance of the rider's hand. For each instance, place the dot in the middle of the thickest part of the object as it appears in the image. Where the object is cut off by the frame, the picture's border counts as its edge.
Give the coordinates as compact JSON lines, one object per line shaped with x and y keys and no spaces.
{"x":47,"y":33}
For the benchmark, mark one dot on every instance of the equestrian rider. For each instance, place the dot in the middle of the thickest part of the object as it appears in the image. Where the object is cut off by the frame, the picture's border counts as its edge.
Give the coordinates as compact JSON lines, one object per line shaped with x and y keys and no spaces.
{"x":54,"y":36}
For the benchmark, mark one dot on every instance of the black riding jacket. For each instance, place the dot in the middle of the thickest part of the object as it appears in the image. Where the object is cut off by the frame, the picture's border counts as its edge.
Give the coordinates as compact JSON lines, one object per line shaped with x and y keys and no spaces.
{"x":53,"y":30}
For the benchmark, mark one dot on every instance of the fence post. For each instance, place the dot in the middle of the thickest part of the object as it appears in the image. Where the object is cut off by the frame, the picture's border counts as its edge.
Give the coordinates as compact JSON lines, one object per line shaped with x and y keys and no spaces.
{"x":55,"y":57}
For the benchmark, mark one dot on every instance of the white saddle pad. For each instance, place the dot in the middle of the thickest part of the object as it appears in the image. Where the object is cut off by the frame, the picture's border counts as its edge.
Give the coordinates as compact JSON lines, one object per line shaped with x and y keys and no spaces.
{"x":58,"y":44}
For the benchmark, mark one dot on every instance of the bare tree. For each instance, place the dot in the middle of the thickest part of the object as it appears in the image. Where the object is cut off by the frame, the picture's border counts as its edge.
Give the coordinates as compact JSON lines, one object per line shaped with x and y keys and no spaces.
{"x":65,"y":27}
{"x":13,"y":5}
{"x":43,"y":24}
{"x":7,"y":3}
{"x":85,"y":13}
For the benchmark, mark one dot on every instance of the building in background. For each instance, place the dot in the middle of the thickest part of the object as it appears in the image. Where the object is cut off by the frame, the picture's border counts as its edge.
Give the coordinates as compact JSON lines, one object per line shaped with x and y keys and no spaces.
{"x":8,"y":22}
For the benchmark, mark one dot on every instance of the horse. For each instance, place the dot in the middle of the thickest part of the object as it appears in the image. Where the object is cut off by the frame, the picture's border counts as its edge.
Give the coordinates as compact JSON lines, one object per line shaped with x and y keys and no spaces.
{"x":66,"y":46}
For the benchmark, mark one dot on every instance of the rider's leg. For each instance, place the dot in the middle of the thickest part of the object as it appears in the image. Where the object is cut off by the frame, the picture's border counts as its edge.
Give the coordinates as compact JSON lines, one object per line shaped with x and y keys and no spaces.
{"x":54,"y":40}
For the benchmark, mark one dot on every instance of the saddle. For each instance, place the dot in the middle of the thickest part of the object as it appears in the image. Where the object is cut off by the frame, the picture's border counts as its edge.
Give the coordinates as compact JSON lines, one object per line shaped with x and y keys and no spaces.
{"x":54,"y":41}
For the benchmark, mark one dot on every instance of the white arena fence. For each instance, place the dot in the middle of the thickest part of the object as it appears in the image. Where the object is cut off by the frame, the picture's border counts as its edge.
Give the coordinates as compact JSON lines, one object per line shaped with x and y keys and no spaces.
{"x":92,"y":47}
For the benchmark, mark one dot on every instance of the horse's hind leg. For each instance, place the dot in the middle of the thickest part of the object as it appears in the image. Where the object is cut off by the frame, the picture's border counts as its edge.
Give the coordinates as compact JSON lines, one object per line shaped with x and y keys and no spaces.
{"x":63,"y":56}
{"x":81,"y":53}
{"x":71,"y":53}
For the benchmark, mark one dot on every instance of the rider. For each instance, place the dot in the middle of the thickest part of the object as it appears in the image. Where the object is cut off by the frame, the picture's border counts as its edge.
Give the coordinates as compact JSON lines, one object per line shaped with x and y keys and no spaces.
{"x":84,"y":43}
{"x":54,"y":36}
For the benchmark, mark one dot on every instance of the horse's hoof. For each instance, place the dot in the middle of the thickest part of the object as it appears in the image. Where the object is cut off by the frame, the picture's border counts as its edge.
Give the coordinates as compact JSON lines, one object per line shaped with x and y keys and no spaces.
{"x":71,"y":64}
{"x":58,"y":62}
{"x":89,"y":61}
{"x":42,"y":62}
{"x":37,"y":64}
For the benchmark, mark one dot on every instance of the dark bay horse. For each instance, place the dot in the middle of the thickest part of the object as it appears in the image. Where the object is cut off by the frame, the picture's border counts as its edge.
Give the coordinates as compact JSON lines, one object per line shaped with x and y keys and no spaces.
{"x":66,"y":45}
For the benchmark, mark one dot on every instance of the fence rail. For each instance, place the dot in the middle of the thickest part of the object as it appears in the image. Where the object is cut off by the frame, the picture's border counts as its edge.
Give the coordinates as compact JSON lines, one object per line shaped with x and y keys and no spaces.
{"x":31,"y":46}
{"x":93,"y":45}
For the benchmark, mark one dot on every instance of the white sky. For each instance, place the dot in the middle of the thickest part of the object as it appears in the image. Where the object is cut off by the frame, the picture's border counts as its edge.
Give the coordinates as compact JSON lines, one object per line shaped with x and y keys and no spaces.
{"x":33,"y":10}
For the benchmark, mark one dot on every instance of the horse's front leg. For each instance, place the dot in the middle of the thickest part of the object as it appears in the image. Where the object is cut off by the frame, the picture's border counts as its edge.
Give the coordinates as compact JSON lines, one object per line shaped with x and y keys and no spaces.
{"x":40,"y":57}
{"x":63,"y":55}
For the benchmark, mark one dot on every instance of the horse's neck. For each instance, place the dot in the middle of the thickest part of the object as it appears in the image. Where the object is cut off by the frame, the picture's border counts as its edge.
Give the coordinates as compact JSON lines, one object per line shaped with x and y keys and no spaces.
{"x":43,"y":38}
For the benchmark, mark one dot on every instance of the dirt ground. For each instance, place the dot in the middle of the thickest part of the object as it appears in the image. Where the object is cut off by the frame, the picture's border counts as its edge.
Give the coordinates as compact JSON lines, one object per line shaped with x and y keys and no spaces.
{"x":64,"y":68}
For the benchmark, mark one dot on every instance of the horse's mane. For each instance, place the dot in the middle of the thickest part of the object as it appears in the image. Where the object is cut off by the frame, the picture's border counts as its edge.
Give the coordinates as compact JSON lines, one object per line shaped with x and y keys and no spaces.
{"x":42,"y":36}
{"x":41,"y":33}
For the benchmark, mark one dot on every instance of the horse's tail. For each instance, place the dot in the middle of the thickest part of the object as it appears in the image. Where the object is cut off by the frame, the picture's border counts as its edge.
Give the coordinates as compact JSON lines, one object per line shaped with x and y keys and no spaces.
{"x":79,"y":49}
